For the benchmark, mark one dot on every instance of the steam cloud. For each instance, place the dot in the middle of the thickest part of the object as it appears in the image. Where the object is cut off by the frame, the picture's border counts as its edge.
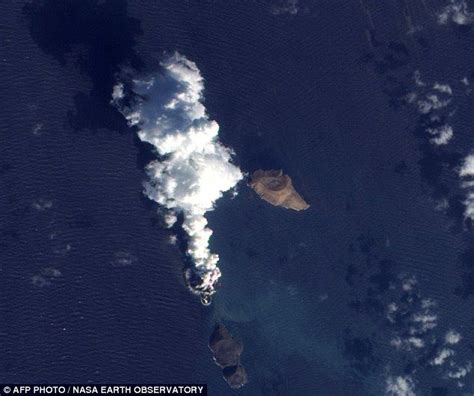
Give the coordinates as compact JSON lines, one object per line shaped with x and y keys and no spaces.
{"x":194,"y":168}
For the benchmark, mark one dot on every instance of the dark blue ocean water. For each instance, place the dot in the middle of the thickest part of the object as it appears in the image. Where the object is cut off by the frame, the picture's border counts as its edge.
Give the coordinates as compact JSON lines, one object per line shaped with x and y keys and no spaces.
{"x":93,"y":292}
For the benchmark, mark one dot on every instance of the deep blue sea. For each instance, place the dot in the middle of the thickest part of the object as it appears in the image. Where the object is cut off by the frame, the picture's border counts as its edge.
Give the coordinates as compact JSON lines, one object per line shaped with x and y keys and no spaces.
{"x":91,"y":289}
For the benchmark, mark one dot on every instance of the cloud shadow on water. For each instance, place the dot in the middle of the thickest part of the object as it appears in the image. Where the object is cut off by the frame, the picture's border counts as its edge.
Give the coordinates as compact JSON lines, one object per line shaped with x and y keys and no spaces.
{"x":360,"y":354}
{"x":466,"y":289}
{"x":392,"y":61}
{"x":101,"y":37}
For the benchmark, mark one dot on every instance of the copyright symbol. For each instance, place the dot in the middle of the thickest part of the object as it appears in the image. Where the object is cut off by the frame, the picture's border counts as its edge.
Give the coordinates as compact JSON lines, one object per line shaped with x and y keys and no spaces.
{"x":6,"y":389}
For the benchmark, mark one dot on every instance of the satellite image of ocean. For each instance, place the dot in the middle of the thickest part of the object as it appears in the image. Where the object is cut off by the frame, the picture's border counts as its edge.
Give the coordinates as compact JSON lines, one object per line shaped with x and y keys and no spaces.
{"x":268,"y":197}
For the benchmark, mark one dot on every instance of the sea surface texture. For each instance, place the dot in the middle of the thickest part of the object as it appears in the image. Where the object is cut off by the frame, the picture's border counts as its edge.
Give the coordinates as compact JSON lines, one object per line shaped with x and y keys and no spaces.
{"x":366,"y":105}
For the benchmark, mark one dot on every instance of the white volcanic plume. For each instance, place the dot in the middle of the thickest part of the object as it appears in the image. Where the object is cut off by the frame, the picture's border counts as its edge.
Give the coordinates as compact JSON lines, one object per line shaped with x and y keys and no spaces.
{"x":195,"y":168}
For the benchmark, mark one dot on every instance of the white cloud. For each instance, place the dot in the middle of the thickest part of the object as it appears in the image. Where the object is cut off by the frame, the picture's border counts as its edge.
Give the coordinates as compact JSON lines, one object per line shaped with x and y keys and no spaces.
{"x":467,"y":171}
{"x":444,"y":88}
{"x":430,"y":103}
{"x":459,"y":371}
{"x":196,"y":168}
{"x":469,"y":205}
{"x":416,"y":342}
{"x":416,"y":336}
{"x":433,"y":101}
{"x":426,"y":321}
{"x":428,"y":303}
{"x":400,"y":386}
{"x":409,"y":283}
{"x":414,"y":316}
{"x":396,"y":342}
{"x":442,"y":355}
{"x":456,"y":11}
{"x":407,"y":343}
{"x":452,"y":337}
{"x":392,"y":309}
{"x":117,"y":92}
{"x":467,"y":168}
{"x":441,"y":135}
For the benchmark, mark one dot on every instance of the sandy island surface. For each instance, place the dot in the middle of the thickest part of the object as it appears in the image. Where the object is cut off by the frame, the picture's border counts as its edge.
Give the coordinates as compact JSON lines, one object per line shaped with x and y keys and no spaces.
{"x":276,"y":188}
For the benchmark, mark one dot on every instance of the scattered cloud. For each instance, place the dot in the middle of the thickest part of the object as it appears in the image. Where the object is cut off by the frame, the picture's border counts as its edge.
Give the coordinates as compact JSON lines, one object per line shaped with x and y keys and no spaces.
{"x":412,"y":317}
{"x":392,"y":309}
{"x":441,"y":135}
{"x":424,"y":320}
{"x":432,"y":101}
{"x":458,"y":372}
{"x":467,"y":169}
{"x":409,"y":283}
{"x":456,"y":12}
{"x":442,"y":355}
{"x":407,"y":343}
{"x":400,"y":386}
{"x":416,"y":335}
{"x":444,"y":88}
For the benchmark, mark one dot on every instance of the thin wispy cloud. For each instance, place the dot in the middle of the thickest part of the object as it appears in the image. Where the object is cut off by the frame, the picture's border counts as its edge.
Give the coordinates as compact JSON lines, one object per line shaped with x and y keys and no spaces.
{"x":433,"y":101}
{"x":46,"y":277}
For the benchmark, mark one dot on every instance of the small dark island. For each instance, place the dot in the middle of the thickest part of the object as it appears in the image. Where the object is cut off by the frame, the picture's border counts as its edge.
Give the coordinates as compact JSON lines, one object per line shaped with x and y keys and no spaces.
{"x":227,"y":353}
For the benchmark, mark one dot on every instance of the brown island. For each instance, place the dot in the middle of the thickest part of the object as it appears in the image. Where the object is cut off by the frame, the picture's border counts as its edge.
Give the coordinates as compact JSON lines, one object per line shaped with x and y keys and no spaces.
{"x":276,"y":188}
{"x":227,"y":353}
